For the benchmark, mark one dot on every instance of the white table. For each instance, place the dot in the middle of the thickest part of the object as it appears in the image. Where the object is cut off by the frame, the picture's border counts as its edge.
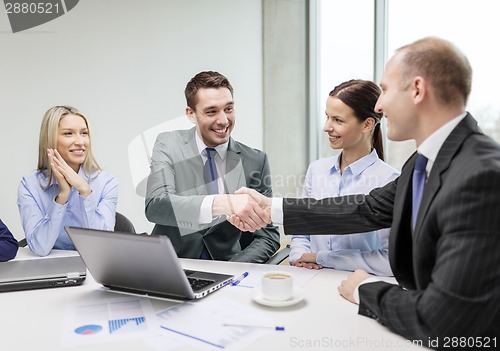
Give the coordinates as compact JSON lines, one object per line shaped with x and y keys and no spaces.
{"x":32,"y":320}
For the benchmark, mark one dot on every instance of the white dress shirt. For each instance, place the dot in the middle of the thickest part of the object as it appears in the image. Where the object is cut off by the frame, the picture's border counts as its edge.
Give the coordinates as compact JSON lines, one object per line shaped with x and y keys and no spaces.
{"x":206,"y":216}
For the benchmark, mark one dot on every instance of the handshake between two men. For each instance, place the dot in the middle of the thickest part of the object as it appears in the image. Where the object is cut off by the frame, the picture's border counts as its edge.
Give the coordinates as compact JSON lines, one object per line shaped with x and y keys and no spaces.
{"x":249,"y":210}
{"x":246,"y":209}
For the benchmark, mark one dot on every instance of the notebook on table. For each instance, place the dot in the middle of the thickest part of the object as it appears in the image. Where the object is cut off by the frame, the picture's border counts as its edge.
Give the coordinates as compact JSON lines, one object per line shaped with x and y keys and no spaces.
{"x":38,"y":273}
{"x":141,"y":264}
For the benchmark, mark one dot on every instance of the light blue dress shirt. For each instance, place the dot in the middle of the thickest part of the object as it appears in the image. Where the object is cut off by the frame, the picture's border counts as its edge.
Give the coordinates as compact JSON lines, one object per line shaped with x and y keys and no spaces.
{"x":43,"y":219}
{"x":368,"y":251}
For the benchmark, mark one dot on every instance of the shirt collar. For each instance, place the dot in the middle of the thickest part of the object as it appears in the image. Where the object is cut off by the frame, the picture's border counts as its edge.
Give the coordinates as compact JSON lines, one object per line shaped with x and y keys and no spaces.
{"x":430,"y":147}
{"x":336,"y":165}
{"x":221,"y":148}
{"x":358,"y":166}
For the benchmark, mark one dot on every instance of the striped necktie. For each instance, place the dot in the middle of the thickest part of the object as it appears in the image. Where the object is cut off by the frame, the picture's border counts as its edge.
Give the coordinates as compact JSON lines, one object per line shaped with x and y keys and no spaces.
{"x":210,"y":172}
{"x":210,"y":178}
{"x":418,"y":183}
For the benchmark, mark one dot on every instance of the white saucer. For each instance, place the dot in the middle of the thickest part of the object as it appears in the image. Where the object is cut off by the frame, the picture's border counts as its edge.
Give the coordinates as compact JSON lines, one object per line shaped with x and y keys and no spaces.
{"x":298,"y":295}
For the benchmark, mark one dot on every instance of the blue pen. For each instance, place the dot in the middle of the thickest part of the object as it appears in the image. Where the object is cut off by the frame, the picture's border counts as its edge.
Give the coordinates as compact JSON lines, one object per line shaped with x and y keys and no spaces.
{"x":236,"y":281}
{"x":279,"y":328}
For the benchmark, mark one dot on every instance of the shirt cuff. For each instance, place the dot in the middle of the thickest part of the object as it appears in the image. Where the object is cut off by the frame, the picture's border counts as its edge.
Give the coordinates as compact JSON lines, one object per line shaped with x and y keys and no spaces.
{"x":59,"y":209}
{"x":206,"y":216}
{"x":322,"y":257}
{"x":355,"y":294}
{"x":277,"y":210}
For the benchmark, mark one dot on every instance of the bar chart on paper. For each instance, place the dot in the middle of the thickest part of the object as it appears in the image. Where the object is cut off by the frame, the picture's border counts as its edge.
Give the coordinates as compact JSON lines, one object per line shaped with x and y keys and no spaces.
{"x":127,"y":324}
{"x":95,"y":321}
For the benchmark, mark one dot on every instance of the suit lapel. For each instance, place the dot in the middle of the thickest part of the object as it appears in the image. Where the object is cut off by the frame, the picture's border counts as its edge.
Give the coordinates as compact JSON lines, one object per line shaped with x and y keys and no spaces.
{"x":400,"y":240}
{"x":235,"y":176}
{"x":443,"y":160}
{"x":191,"y":156}
{"x":403,"y":195}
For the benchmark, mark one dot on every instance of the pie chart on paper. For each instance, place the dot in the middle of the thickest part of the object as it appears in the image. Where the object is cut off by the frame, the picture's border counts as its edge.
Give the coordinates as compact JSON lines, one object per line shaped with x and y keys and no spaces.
{"x":89,"y":329}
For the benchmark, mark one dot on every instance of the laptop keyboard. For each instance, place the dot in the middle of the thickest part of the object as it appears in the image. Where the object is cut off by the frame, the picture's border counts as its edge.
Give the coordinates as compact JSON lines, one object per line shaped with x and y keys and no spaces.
{"x":197,"y":284}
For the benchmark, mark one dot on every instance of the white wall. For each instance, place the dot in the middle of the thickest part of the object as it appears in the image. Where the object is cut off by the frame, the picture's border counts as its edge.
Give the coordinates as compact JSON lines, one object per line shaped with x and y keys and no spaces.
{"x":123,"y":63}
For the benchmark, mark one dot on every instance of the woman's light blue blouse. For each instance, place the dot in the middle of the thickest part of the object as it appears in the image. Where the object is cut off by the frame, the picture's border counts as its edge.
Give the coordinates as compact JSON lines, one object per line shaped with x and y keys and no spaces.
{"x":43,"y":219}
{"x":368,"y":251}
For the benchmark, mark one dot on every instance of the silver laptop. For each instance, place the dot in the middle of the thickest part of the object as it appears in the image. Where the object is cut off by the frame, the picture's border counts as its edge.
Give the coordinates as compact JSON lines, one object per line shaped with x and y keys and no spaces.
{"x":37,"y":273}
{"x":141,"y":264}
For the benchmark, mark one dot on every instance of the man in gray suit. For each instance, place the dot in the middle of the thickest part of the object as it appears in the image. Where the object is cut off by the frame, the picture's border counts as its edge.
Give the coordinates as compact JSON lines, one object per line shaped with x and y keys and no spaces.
{"x":444,"y":250}
{"x":189,"y":208}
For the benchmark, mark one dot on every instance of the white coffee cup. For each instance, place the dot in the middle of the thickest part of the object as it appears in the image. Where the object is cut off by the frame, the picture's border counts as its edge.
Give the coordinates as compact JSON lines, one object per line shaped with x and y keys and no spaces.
{"x":277,"y":286}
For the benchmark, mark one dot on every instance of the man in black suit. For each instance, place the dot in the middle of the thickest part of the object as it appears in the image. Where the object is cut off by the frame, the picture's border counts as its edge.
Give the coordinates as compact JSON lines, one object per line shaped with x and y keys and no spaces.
{"x":447,"y":259}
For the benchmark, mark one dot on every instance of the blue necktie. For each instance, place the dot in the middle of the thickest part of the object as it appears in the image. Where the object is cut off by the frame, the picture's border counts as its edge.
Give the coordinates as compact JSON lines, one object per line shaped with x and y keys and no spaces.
{"x":210,"y":172}
{"x":418,"y":183}
{"x":210,"y":178}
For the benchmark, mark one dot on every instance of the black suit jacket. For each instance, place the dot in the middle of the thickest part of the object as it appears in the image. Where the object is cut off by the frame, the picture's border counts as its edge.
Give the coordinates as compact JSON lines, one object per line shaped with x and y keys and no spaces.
{"x":176,"y":190}
{"x":448,"y":269}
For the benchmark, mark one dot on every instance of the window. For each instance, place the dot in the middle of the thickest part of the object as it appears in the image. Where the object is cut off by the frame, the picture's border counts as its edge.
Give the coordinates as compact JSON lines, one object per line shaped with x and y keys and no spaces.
{"x":346,"y":50}
{"x":469,"y":25}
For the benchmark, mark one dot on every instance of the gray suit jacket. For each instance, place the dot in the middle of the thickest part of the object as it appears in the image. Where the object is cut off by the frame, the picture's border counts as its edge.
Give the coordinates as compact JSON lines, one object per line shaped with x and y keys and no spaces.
{"x":449,"y":266}
{"x":176,"y":190}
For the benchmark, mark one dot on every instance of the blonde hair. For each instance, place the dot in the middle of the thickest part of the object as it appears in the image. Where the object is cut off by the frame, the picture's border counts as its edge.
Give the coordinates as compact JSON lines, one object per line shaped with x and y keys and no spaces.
{"x":49,"y":131}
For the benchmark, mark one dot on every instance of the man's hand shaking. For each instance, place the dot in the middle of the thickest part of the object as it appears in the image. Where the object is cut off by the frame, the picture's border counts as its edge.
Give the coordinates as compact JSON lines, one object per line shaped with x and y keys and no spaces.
{"x":247,"y":209}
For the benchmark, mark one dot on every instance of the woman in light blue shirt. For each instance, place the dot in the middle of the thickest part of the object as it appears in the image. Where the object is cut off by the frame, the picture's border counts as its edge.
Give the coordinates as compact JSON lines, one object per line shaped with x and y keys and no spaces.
{"x":68,"y":188}
{"x":353,"y":126}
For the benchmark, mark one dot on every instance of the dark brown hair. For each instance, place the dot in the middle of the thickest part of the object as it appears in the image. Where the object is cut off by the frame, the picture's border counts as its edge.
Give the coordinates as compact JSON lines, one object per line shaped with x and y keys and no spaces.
{"x":207,"y":79}
{"x":361,"y":96}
